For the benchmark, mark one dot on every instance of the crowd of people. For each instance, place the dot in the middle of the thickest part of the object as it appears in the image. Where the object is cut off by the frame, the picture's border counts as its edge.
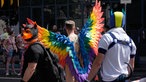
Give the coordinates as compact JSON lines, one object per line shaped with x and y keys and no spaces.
{"x":11,"y":46}
{"x":116,"y":52}
{"x":114,"y":62}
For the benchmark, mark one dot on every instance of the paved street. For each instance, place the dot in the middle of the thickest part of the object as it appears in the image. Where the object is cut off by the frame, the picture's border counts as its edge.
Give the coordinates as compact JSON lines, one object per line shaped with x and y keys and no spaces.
{"x":9,"y":79}
{"x":139,"y":72}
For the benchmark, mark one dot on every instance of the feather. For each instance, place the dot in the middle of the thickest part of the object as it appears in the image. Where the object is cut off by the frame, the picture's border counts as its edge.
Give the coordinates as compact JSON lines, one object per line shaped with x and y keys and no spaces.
{"x":89,"y":37}
{"x":57,"y":43}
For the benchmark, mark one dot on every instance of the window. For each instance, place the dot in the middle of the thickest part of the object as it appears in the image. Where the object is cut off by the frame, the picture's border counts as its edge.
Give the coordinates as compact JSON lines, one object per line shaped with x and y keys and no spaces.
{"x":24,"y":2}
{"x":36,"y":2}
{"x":49,"y":15}
{"x":37,"y":15}
{"x":23,"y":16}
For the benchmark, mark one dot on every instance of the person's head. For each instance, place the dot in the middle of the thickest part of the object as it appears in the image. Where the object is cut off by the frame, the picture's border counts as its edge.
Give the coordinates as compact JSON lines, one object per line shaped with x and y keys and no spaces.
{"x":117,"y":19}
{"x":54,"y":28}
{"x":11,"y":31}
{"x":30,"y":31}
{"x":69,"y":25}
{"x":4,"y":30}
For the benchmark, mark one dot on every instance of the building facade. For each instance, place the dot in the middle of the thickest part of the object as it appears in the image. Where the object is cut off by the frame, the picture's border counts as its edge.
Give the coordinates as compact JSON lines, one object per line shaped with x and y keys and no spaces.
{"x":54,"y":12}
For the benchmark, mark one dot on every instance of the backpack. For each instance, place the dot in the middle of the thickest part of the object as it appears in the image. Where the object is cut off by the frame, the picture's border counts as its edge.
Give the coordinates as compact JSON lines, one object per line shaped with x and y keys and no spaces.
{"x":57,"y":69}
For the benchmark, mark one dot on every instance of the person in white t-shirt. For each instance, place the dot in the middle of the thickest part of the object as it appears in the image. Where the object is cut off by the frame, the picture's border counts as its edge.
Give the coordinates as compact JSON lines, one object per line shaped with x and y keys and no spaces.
{"x":116,"y":49}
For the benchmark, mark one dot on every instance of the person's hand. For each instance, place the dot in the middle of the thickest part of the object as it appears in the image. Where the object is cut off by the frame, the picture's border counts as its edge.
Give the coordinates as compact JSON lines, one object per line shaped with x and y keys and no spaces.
{"x":16,"y":50}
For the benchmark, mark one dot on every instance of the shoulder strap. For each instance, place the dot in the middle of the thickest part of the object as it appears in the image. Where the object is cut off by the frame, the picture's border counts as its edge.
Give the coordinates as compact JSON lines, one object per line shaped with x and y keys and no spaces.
{"x":45,"y":51}
{"x":115,"y":40}
{"x":51,"y":56}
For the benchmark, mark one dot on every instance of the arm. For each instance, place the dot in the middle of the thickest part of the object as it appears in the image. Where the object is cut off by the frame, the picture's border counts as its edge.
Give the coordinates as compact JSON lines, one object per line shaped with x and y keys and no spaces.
{"x":132,"y":56}
{"x":132,"y":62}
{"x":14,"y":44}
{"x":29,"y":71}
{"x":5,"y":44}
{"x":95,"y":66}
{"x":68,"y":76}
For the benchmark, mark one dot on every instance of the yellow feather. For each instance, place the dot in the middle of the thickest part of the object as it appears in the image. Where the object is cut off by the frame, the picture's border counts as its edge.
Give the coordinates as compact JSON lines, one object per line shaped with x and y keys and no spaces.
{"x":2,"y":3}
{"x":11,"y":2}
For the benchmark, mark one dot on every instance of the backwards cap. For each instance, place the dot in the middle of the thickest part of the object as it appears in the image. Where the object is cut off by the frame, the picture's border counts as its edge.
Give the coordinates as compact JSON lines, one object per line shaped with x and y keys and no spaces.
{"x":117,"y":19}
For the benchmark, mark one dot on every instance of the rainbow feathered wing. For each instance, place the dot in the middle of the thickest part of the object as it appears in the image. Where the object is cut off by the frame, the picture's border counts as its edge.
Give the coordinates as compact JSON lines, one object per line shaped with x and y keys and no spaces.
{"x":89,"y":37}
{"x":57,"y":43}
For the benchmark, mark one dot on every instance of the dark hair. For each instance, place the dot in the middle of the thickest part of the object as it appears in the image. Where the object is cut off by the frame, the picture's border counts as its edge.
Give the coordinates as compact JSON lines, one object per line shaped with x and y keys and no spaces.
{"x":10,"y":30}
